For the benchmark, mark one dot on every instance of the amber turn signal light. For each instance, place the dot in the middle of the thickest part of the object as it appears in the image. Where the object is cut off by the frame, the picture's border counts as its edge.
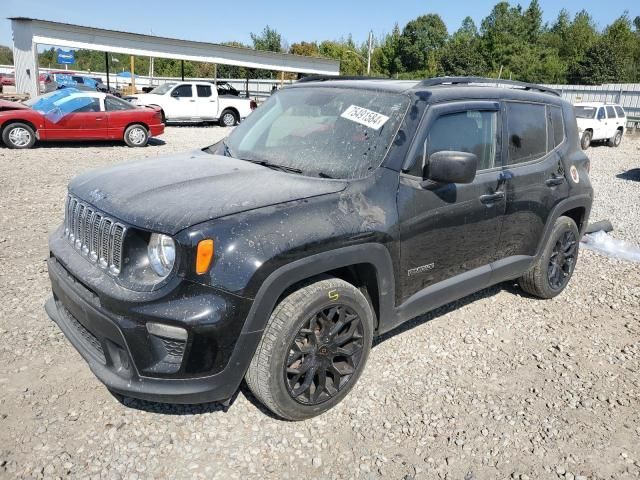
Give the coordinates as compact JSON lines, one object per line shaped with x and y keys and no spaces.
{"x":204,"y":256}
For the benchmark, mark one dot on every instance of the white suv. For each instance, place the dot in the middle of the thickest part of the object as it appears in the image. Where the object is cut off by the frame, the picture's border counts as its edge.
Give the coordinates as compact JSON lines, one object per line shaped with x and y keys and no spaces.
{"x":600,"y":121}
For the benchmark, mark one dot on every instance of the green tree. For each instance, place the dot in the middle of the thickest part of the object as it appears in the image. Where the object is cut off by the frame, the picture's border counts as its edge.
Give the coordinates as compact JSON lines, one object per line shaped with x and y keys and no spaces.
{"x":596,"y":66}
{"x":307,"y":49}
{"x":461,"y":54}
{"x":269,"y":40}
{"x":622,"y":43}
{"x":351,"y":61}
{"x":389,"y":53}
{"x":6,"y":55}
{"x":420,"y":42}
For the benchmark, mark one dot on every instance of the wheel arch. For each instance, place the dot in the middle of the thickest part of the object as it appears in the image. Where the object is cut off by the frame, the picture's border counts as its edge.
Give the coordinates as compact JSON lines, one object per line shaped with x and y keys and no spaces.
{"x":16,"y":120}
{"x":137,"y":122}
{"x":577,"y":208}
{"x":235,"y":111}
{"x":366,"y":266}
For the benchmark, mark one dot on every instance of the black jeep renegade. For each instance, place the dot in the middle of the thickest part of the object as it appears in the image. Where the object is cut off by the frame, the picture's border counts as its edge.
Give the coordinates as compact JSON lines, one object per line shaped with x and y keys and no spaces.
{"x":338,"y":210}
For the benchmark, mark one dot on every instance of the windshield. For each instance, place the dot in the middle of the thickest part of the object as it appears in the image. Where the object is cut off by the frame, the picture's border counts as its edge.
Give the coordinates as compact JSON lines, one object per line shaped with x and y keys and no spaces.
{"x":47,"y":102}
{"x":585,"y":112}
{"x":162,"y":89}
{"x":321,"y":131}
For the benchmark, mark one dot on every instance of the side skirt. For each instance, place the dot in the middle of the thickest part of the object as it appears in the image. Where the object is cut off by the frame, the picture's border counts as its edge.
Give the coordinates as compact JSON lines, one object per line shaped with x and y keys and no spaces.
{"x":456,"y":288}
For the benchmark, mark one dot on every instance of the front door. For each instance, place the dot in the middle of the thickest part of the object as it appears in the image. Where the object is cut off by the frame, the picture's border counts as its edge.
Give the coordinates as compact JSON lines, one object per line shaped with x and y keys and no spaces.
{"x":450,"y":229}
{"x":600,"y":127}
{"x":181,"y":104}
{"x":77,"y":117}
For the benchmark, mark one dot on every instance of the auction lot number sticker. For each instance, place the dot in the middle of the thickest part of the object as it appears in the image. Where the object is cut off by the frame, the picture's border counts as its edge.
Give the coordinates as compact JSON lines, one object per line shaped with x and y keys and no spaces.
{"x":365,"y":117}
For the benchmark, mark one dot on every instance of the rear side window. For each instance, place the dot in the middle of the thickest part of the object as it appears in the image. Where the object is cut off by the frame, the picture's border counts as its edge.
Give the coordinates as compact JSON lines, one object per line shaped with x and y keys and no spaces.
{"x":611,"y":113}
{"x":204,"y":90}
{"x":527,"y":132}
{"x":557,"y":125}
{"x":114,"y":104}
{"x":619,"y":111}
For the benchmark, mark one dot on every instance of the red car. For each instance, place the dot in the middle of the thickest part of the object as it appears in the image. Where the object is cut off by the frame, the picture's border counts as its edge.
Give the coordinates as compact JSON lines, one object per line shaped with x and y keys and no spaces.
{"x":7,"y":79}
{"x":71,"y":114}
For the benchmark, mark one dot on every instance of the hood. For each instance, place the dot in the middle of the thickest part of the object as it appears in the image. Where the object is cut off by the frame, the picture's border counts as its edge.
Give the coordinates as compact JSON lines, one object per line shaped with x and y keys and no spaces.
{"x":7,"y":105}
{"x":172,"y":193}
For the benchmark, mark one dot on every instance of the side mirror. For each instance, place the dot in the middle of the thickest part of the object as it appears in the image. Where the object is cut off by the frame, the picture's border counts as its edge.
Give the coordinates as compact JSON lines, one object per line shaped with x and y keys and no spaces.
{"x":174,"y":94}
{"x":451,"y":167}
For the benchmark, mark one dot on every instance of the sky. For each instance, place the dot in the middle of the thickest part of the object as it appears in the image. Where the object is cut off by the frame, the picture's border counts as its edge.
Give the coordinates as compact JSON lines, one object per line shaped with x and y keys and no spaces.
{"x":227,"y":20}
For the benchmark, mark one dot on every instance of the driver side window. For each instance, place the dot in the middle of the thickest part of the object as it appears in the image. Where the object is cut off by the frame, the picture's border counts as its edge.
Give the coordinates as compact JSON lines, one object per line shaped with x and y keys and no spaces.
{"x":471,"y":131}
{"x":182,"y":91}
{"x":601,"y":115}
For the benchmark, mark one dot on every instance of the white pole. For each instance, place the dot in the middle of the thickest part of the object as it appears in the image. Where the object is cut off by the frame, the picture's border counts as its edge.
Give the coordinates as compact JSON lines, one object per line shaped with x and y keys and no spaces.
{"x":369,"y":53}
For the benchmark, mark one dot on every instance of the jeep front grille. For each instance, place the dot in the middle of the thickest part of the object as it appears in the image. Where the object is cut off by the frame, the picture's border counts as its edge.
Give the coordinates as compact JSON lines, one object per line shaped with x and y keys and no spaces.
{"x":96,"y":236}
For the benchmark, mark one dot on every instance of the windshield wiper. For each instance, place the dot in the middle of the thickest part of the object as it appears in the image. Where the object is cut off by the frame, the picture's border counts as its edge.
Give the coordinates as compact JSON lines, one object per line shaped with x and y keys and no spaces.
{"x":227,"y":150}
{"x":274,"y":166}
{"x":324,"y":175}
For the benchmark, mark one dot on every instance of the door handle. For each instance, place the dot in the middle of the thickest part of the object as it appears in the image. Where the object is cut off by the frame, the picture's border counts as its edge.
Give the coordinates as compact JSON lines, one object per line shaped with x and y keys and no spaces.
{"x":99,"y":118}
{"x":492,"y":197}
{"x":554,"y":181}
{"x":192,"y":100}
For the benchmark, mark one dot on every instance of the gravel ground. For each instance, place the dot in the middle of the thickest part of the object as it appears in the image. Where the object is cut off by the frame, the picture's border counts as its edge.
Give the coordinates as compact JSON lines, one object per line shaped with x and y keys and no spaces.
{"x":497,"y":385}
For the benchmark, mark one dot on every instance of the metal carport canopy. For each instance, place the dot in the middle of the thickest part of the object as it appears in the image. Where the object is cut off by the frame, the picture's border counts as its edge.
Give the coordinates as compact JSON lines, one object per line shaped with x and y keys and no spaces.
{"x":29,"y":32}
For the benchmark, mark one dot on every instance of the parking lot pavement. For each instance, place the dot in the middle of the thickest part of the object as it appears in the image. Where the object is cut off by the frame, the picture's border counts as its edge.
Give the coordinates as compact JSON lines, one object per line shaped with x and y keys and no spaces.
{"x":497,"y":385}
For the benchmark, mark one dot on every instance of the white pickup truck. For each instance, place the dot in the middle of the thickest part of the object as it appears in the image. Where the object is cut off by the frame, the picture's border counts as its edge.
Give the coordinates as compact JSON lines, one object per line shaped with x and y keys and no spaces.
{"x":599,"y":121}
{"x":194,"y":102}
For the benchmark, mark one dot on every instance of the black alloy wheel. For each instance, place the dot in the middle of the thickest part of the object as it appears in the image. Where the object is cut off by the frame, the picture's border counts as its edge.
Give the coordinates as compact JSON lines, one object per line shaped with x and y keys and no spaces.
{"x":562,"y":260}
{"x":324,"y":355}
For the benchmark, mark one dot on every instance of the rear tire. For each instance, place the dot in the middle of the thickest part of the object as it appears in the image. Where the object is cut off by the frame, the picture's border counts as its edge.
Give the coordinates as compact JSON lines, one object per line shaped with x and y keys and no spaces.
{"x":229,"y":118}
{"x":551,"y":272}
{"x":585,"y":141}
{"x":616,"y":140}
{"x":313,"y":350}
{"x":136,"y":135}
{"x":18,"y":136}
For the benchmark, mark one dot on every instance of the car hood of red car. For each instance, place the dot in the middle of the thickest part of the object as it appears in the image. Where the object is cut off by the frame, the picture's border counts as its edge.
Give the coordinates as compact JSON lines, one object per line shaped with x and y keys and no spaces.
{"x":7,"y":105}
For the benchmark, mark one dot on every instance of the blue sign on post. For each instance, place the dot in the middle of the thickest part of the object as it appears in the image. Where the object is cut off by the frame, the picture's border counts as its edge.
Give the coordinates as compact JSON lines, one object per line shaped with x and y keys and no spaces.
{"x":66,"y":57}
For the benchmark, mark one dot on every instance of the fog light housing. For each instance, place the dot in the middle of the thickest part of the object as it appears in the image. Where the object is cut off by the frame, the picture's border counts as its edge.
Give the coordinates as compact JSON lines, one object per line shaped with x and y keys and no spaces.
{"x":167,"y":331}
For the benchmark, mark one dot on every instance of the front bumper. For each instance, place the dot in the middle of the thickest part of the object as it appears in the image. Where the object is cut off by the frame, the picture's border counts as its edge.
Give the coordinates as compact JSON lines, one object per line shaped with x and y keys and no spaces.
{"x":132,"y":362}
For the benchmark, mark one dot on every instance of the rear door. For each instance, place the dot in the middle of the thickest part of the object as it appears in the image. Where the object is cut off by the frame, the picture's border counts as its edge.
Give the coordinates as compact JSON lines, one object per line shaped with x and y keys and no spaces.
{"x":449,"y":229}
{"x":206,"y":102}
{"x":534,"y":174}
{"x":612,"y":122}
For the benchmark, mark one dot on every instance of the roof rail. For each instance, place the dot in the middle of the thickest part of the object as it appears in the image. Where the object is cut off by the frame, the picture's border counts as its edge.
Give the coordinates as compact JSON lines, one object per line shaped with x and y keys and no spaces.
{"x":326,"y":78}
{"x":433,"y":82}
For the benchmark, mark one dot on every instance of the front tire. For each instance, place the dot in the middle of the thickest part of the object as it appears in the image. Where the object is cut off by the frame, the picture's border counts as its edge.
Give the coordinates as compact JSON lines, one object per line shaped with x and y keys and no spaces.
{"x":616,"y":140}
{"x":18,"y":136}
{"x":551,"y":272}
{"x":585,"y":141}
{"x":136,"y":135}
{"x":313,"y":350}
{"x":229,"y":118}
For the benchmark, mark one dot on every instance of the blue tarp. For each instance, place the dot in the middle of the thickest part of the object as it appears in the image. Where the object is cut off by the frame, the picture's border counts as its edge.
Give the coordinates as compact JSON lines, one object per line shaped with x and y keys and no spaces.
{"x":126,"y":75}
{"x":56,"y":105}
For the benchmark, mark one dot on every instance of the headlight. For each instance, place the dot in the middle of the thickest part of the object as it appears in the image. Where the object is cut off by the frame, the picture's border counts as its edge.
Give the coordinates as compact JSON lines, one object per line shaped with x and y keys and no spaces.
{"x":162,"y":254}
